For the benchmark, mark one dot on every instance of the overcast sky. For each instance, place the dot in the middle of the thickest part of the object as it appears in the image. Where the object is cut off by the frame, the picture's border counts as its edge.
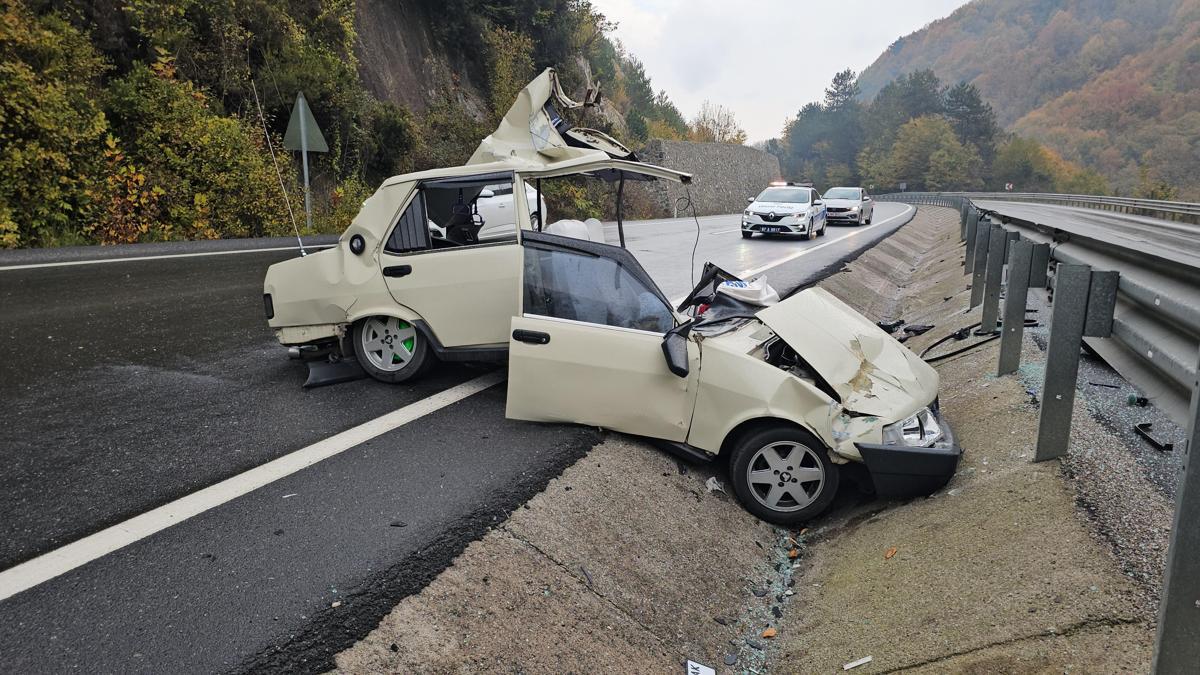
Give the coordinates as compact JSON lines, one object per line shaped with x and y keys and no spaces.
{"x":763,"y":59}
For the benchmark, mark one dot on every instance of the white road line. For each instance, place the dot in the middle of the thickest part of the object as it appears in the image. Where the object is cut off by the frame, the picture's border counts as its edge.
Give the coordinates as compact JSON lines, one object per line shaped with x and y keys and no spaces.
{"x":745,"y":274}
{"x":165,"y":256}
{"x":59,"y":561}
{"x":736,"y":229}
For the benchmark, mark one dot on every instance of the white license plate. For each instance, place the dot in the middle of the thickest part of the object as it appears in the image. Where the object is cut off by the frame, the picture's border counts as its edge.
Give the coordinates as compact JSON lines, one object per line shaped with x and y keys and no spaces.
{"x":772,"y":230}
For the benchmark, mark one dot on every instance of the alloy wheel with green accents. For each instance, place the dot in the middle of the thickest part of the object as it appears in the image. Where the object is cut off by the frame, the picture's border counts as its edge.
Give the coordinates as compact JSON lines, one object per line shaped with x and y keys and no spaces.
{"x":388,"y":342}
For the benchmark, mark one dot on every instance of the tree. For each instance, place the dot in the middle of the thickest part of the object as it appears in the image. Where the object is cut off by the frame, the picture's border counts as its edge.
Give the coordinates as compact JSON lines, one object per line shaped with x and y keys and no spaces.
{"x":716,"y":124}
{"x":928,"y":154}
{"x":842,"y":93}
{"x":972,"y":119}
{"x":908,"y":97}
{"x":1024,"y":163}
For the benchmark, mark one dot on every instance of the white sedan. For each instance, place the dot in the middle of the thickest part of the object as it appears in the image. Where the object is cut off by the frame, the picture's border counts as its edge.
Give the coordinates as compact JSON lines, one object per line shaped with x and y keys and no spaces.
{"x":785,"y":209}
{"x":851,"y":205}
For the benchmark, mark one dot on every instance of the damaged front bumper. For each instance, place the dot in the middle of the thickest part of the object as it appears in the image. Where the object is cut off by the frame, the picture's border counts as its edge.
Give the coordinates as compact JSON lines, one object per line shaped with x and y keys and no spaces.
{"x":900,"y":471}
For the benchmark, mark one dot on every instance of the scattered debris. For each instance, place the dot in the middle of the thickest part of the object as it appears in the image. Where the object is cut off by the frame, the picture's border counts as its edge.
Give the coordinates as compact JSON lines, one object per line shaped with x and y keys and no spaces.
{"x":789,"y":592}
{"x":759,"y":592}
{"x":1033,"y":399}
{"x":694,"y":668}
{"x":1143,"y":430}
{"x":1105,"y":384}
{"x":398,"y":523}
{"x":730,"y":659}
{"x":395,"y":647}
{"x":755,"y":644}
{"x":887,"y":555}
{"x":890,"y":326}
{"x":291,"y":495}
{"x":861,"y":662}
{"x":586,"y":575}
{"x":918,"y":328}
{"x":682,"y":469}
{"x":714,"y":485}
{"x":769,"y":632}
{"x":794,"y":553}
{"x":1139,"y":401}
{"x":724,"y":621}
{"x":336,"y":603}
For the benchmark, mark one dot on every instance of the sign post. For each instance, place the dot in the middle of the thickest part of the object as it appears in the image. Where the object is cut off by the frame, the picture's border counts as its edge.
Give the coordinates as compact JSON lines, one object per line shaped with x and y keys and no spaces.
{"x":304,"y":135}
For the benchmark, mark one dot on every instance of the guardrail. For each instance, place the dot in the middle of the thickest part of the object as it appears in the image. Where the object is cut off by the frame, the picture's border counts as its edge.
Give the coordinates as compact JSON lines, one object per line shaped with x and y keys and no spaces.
{"x":1185,"y":212}
{"x":1139,"y":311}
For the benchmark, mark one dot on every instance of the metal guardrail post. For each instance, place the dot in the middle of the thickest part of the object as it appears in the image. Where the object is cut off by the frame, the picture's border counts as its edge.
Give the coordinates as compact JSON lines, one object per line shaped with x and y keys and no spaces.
{"x":1013,"y":328}
{"x":1084,"y":302}
{"x":1038,"y":266}
{"x":1177,"y":645}
{"x":993,"y":277}
{"x":1062,"y":360}
{"x":983,"y":234}
{"x":972,"y":229}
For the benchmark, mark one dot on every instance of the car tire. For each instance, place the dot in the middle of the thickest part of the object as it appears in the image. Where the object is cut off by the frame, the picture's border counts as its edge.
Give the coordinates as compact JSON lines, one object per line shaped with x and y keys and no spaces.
{"x":773,"y":450}
{"x":824,"y":226}
{"x":747,"y":235}
{"x":812,"y":234}
{"x":870,"y":218}
{"x":390,"y":349}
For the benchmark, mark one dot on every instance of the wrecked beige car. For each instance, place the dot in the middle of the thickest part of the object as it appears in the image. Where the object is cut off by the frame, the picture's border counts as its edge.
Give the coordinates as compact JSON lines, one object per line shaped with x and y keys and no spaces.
{"x":411,"y":281}
{"x":791,"y":394}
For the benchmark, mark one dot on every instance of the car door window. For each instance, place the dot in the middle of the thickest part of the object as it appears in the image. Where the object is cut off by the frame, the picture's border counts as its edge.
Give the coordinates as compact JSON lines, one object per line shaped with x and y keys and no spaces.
{"x":595,"y":289}
{"x":411,"y":232}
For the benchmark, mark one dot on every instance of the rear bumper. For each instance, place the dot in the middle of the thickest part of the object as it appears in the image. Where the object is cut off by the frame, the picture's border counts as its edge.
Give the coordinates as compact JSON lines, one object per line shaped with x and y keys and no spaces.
{"x":905,"y":471}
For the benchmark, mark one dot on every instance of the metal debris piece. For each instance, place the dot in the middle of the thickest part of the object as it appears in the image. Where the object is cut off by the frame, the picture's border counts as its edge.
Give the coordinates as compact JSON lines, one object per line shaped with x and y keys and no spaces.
{"x":890,"y":326}
{"x":714,"y":485}
{"x":861,"y":662}
{"x":1143,"y":430}
{"x":918,"y":328}
{"x":586,"y":575}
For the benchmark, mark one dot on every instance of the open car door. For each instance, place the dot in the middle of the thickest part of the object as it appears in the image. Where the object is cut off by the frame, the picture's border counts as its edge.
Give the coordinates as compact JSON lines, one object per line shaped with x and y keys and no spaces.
{"x":587,"y":346}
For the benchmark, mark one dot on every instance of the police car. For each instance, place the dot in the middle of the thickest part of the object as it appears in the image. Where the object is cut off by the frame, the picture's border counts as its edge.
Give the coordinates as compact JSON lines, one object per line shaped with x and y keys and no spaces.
{"x":785,"y":208}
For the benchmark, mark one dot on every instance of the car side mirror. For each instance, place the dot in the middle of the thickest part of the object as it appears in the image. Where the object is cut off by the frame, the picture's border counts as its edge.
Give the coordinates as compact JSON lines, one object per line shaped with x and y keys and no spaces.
{"x":749,"y":200}
{"x":866,"y":199}
{"x":817,"y":202}
{"x":486,"y":194}
{"x":674,"y":346}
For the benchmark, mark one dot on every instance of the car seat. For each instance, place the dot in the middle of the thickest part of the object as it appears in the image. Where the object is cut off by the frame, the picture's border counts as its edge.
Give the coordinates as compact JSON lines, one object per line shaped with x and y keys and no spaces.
{"x":462,"y":228}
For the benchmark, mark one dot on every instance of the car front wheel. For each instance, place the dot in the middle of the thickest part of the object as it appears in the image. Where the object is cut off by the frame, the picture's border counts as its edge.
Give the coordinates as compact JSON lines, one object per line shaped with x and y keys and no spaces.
{"x":390,"y":349}
{"x":783,"y":475}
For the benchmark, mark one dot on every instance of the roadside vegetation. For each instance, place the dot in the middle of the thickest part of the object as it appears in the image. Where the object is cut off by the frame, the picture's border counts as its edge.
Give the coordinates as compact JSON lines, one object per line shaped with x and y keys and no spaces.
{"x":1112,"y":86}
{"x":143,"y":120}
{"x":920,"y":134}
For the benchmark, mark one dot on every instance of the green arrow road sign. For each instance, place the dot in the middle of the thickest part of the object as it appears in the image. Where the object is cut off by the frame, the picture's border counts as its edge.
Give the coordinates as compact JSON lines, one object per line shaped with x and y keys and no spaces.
{"x":302,"y":133}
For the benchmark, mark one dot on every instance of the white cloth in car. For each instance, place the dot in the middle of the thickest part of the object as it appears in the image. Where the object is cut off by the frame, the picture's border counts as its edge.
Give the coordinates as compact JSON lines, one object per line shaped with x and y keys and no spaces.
{"x":756,"y":291}
{"x":577,"y":229}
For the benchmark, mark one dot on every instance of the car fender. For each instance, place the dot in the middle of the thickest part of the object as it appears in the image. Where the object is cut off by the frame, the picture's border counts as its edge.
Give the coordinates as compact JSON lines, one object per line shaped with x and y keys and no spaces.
{"x":382,"y":307}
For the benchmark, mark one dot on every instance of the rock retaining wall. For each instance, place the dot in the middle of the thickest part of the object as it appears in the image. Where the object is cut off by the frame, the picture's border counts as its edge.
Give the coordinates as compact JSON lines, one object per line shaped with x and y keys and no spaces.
{"x":723,"y":176}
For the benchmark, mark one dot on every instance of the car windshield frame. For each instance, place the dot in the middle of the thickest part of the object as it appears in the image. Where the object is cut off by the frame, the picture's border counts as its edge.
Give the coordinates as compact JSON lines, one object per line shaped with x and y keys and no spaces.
{"x":769,"y":195}
{"x":836,"y":193}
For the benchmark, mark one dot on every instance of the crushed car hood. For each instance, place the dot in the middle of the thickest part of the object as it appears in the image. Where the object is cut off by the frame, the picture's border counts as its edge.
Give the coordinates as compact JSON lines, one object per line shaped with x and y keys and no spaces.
{"x":871,"y":372}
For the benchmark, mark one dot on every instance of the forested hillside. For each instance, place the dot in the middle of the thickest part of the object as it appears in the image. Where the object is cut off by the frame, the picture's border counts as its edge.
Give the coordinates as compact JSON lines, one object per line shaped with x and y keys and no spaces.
{"x":1113,"y":85}
{"x":140,"y":120}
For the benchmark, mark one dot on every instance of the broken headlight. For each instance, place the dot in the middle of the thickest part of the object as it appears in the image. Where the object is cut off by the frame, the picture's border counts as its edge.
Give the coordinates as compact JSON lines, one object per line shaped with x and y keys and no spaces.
{"x":921,"y":429}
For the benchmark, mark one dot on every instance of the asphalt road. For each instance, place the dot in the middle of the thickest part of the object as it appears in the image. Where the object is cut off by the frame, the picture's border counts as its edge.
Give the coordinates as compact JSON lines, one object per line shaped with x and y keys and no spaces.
{"x":130,"y":384}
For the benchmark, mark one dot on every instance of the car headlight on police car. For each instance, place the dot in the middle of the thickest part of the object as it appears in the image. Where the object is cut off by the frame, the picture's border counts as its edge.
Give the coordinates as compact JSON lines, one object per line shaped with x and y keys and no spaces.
{"x":921,"y":429}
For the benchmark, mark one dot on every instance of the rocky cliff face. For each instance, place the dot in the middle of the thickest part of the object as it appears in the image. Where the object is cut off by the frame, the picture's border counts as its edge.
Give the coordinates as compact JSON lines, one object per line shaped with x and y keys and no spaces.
{"x":401,"y":61}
